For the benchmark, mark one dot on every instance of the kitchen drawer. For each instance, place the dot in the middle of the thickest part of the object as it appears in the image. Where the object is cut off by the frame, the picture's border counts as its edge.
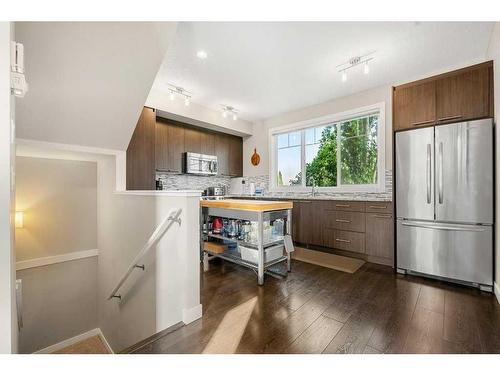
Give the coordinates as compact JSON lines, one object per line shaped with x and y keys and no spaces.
{"x":379,"y":207}
{"x":349,"y":206}
{"x":344,"y":220}
{"x":344,"y":240}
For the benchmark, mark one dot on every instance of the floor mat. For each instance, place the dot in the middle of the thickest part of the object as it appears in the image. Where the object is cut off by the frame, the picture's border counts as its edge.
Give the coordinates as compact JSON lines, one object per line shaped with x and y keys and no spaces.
{"x":92,"y":345}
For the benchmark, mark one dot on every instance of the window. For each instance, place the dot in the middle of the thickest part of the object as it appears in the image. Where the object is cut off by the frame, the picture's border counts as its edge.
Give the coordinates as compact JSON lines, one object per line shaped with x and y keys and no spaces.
{"x":342,"y":154}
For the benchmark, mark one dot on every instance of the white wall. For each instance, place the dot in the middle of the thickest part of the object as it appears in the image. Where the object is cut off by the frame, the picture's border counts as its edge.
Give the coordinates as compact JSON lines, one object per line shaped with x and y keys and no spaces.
{"x":169,"y":290}
{"x":260,"y":138}
{"x":494,"y":54}
{"x":59,"y":202}
{"x":8,"y":319}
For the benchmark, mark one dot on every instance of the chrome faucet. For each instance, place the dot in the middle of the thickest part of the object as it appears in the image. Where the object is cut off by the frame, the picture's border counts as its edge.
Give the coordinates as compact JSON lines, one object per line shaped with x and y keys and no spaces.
{"x":313,"y":189}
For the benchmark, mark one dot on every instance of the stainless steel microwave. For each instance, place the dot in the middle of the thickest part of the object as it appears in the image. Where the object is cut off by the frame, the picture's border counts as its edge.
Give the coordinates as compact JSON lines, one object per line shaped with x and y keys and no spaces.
{"x":200,"y":164}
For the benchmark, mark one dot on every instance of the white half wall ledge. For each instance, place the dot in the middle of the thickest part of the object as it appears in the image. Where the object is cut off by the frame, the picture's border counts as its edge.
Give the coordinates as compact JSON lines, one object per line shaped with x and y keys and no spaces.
{"x":61,"y":258}
{"x":162,"y":193}
{"x":192,"y":314}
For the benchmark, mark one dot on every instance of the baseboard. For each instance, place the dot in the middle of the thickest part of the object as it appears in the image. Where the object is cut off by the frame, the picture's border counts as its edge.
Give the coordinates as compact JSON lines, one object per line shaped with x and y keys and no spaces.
{"x":496,"y":289}
{"x":45,"y":261}
{"x":192,"y":314}
{"x":73,"y":340}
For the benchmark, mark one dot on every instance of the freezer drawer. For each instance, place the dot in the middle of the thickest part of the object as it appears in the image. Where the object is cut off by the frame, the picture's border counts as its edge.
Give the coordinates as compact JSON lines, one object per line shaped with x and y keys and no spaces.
{"x":460,"y":252}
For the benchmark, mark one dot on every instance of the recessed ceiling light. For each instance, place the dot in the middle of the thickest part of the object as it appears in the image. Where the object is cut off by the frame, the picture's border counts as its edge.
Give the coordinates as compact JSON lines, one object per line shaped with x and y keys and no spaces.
{"x":201,"y":54}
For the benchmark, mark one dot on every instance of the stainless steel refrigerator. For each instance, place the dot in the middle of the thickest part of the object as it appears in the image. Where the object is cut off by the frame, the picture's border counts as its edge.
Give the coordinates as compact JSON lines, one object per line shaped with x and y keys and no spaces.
{"x":444,"y":202}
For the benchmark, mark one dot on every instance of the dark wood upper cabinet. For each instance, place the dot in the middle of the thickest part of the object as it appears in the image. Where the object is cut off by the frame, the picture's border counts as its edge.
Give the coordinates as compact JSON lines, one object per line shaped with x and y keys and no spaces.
{"x":222,"y":152}
{"x":414,"y":106}
{"x":140,"y":153}
{"x":158,"y":144}
{"x":192,"y":140}
{"x":207,"y":143}
{"x":169,"y":146}
{"x":235,"y":156}
{"x":464,"y":96}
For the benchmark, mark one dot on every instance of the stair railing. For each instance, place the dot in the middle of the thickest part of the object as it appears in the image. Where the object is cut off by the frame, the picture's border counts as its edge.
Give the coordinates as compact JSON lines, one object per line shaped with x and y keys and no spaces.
{"x":161,"y":229}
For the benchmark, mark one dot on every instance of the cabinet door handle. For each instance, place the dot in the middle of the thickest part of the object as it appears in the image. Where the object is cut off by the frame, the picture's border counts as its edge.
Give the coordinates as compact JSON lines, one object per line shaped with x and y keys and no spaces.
{"x":378,"y":207}
{"x":342,"y":205}
{"x":449,"y":118}
{"x":383,"y":216}
{"x":342,"y":240}
{"x":422,"y":122}
{"x":342,"y":221}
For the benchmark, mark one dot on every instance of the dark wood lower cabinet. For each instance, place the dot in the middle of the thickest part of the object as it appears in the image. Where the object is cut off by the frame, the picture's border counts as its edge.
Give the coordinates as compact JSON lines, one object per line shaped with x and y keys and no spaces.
{"x":361,"y":228}
{"x":380,"y":235}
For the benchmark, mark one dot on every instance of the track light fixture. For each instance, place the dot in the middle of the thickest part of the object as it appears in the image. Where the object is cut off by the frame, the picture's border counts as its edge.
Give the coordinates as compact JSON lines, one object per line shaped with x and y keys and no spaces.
{"x":228,"y":110}
{"x":179,"y":91}
{"x":353,"y":62}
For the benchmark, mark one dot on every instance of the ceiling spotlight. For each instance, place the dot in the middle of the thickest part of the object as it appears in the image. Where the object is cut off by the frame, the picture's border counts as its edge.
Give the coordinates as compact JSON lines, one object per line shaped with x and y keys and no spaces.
{"x":201,"y":54}
{"x":228,"y":110}
{"x":355,"y":61}
{"x":186,"y":101}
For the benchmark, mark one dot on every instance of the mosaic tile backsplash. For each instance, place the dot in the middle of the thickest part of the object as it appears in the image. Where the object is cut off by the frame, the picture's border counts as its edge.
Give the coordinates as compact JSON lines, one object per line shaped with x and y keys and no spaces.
{"x":263,"y":182}
{"x":183,"y":181}
{"x":190,"y":182}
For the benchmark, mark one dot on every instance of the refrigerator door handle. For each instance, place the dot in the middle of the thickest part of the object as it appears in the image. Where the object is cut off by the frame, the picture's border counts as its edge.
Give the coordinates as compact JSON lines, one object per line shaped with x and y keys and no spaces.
{"x":451,"y":227}
{"x":440,"y":175}
{"x":428,"y":174}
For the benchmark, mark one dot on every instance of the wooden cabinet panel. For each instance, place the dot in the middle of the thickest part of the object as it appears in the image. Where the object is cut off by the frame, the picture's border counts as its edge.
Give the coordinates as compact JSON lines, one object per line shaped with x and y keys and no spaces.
{"x":169,"y":146}
{"x":379,"y":235}
{"x":235,"y":156}
{"x":343,"y":220}
{"x":296,"y":221}
{"x":318,"y":221}
{"x":207,"y":143}
{"x":222,"y":153}
{"x":140,"y":153}
{"x":192,"y":140}
{"x":305,"y":222}
{"x":349,"y":206}
{"x":464,"y":96}
{"x":161,"y":145}
{"x":414,"y":105}
{"x":378,"y":207}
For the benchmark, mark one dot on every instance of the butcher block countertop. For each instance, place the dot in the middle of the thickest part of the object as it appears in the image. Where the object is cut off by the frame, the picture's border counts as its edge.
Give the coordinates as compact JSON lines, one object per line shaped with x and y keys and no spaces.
{"x":248,"y":205}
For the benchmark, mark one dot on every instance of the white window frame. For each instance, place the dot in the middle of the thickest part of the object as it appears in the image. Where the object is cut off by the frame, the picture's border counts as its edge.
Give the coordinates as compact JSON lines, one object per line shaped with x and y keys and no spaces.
{"x":325,"y":120}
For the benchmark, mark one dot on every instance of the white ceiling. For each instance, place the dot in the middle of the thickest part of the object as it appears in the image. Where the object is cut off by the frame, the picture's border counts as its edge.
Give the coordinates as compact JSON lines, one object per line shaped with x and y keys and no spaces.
{"x":264,"y":69}
{"x":88,"y":81}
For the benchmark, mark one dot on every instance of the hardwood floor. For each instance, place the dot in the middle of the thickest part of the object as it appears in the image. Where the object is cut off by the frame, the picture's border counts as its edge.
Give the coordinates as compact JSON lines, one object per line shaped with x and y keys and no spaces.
{"x":320,"y":310}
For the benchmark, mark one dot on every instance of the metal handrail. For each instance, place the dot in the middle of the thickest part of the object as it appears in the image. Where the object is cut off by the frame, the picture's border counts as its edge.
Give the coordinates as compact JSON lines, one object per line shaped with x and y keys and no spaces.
{"x":160,"y":230}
